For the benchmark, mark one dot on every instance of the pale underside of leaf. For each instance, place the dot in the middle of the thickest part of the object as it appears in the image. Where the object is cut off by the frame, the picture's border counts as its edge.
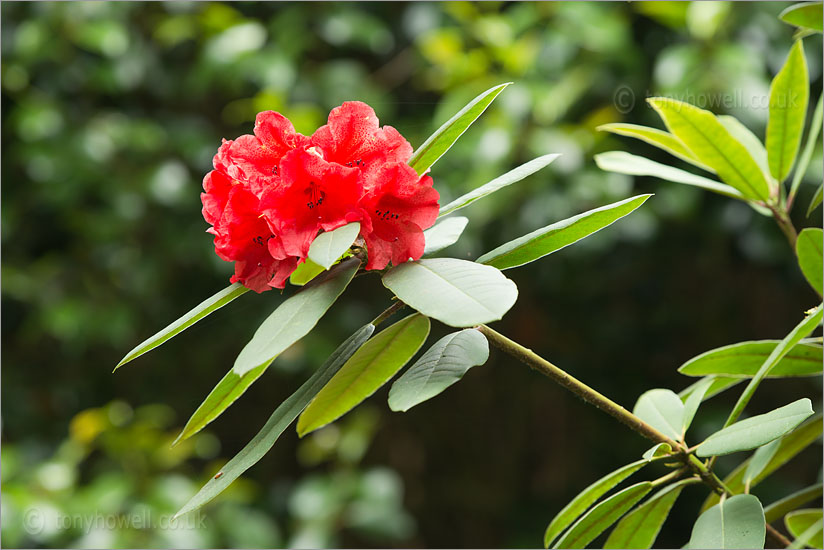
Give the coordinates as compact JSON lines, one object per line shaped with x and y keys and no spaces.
{"x":456,"y":292}
{"x":443,"y":234}
{"x":329,"y":246}
{"x":757,"y":430}
{"x":791,"y":444}
{"x":441,"y":366}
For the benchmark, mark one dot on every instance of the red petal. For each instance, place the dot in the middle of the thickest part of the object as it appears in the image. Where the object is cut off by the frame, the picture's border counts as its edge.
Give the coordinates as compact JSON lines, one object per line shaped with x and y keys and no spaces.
{"x":353,"y":138}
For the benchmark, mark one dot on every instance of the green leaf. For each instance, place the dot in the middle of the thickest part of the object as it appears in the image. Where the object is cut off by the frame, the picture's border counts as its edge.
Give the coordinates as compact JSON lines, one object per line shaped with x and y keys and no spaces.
{"x":633,"y":165}
{"x":284,"y":415}
{"x":598,"y":520}
{"x":759,"y":460}
{"x":552,"y":238}
{"x":694,"y":400}
{"x":640,"y":528}
{"x":588,"y":497}
{"x":444,"y":233}
{"x":757,"y":430}
{"x":806,"y":15}
{"x":437,"y":369}
{"x":738,"y":522}
{"x":294,"y":318}
{"x":791,"y":444}
{"x":816,"y":200}
{"x":203,"y":309}
{"x":789,"y":93}
{"x":305,"y":272}
{"x":455,"y":292}
{"x":807,"y":154}
{"x":658,"y":138}
{"x":444,"y":137}
{"x":513,"y":176}
{"x":713,"y":145}
{"x":806,"y":527}
{"x":808,"y":248}
{"x":781,"y":508}
{"x":811,"y":320}
{"x":286,"y":325}
{"x":328,"y":247}
{"x":743,"y":360}
{"x":750,"y":141}
{"x":663,"y":410}
{"x":657,"y":451}
{"x":365,"y":372}
{"x":719,"y":384}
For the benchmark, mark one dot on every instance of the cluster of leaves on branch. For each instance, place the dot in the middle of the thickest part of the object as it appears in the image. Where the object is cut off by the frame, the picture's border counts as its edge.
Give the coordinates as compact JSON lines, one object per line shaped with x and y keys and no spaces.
{"x":354,"y":197}
{"x":757,"y":173}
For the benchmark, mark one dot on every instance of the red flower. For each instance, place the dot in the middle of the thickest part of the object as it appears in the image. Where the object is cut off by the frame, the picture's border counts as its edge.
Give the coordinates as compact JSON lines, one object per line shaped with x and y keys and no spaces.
{"x":401,"y":205}
{"x":313,"y":194}
{"x":271,"y":193}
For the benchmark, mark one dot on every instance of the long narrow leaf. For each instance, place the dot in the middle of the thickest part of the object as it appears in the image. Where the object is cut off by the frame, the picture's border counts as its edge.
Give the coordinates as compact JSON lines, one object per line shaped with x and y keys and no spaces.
{"x":552,"y":238}
{"x":200,"y":311}
{"x":284,"y":415}
{"x":744,"y":359}
{"x":801,"y":330}
{"x":789,"y":93}
{"x":633,"y":165}
{"x":444,"y":137}
{"x":781,"y":508}
{"x":604,"y":514}
{"x":587,"y":498}
{"x":757,"y":430}
{"x":294,"y":318}
{"x":640,"y":527}
{"x":791,"y":444}
{"x":807,"y":155}
{"x":808,"y":248}
{"x":513,"y":176}
{"x":659,"y":138}
{"x":816,"y":200}
{"x":286,"y":325}
{"x":365,"y":372}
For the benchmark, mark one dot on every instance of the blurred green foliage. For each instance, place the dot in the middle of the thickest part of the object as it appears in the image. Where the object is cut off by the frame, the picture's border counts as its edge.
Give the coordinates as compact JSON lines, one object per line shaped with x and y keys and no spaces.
{"x":111,"y":113}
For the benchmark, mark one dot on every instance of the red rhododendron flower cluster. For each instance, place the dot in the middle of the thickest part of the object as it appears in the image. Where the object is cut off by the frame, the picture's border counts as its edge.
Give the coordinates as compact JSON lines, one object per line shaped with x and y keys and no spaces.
{"x":271,"y":193}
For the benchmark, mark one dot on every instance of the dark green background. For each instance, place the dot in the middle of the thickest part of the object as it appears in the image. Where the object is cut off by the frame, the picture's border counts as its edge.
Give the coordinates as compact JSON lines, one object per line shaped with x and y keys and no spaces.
{"x":111,"y":114}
